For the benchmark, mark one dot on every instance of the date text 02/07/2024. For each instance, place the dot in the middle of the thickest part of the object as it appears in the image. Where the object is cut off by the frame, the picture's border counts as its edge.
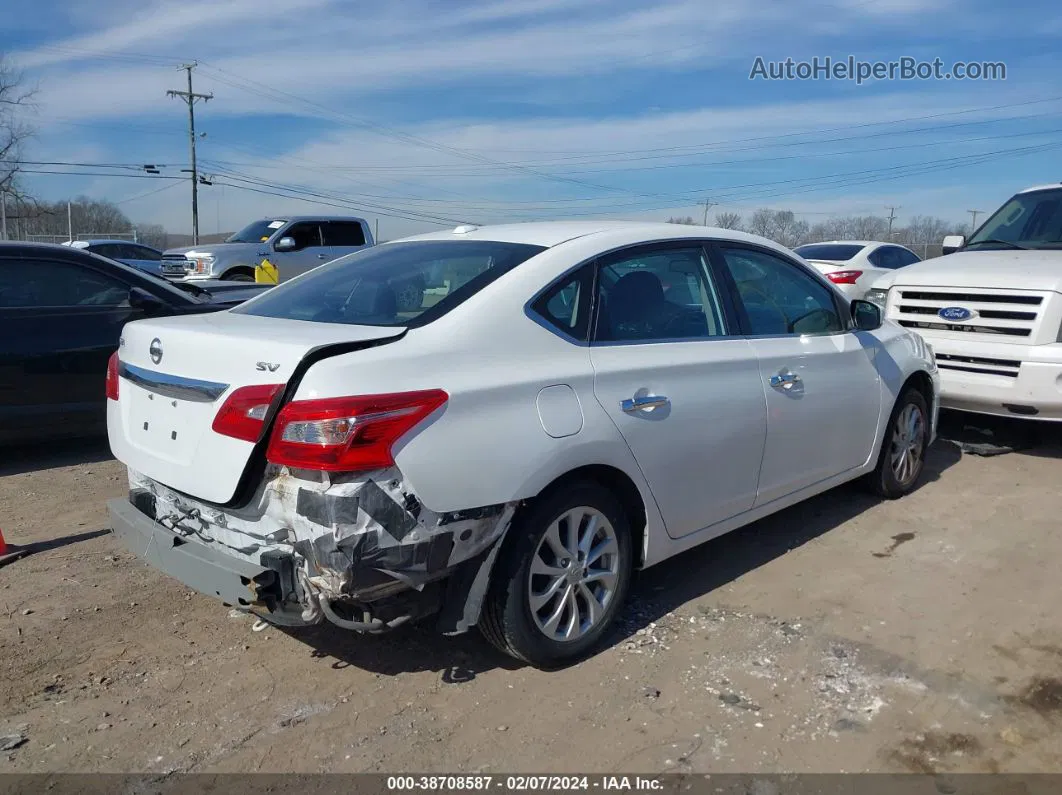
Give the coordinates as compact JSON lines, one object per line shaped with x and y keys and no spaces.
{"x":527,"y":783}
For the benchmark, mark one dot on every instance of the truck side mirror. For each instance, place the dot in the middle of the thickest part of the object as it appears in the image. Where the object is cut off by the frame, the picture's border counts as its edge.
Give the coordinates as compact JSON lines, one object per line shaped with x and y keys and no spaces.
{"x":285,"y":244}
{"x":953,"y":243}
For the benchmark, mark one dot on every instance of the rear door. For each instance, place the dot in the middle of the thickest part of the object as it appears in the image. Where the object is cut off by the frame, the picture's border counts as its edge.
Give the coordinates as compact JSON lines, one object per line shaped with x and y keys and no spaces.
{"x":61,"y":321}
{"x":310,"y":250}
{"x":817,"y":374}
{"x":679,"y":383}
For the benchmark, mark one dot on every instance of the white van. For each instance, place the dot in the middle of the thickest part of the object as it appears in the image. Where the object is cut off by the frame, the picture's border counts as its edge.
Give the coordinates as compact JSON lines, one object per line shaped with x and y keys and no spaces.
{"x":992,"y":309}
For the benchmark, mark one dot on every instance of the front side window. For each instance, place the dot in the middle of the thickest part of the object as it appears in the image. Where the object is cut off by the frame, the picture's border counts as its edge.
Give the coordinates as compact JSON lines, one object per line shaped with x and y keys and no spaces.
{"x":306,"y":234}
{"x":778,"y":297}
{"x":395,"y":284}
{"x":657,"y":294}
{"x":1029,"y":220}
{"x":32,"y":283}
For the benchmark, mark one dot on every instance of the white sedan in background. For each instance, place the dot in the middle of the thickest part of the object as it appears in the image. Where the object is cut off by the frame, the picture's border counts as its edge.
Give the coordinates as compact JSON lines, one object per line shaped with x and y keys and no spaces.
{"x":854,"y":265}
{"x":585,"y":399}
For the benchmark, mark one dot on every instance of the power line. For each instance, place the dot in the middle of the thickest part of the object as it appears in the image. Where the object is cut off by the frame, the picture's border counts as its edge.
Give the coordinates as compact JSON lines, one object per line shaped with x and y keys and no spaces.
{"x":190,"y":98}
{"x":149,"y":193}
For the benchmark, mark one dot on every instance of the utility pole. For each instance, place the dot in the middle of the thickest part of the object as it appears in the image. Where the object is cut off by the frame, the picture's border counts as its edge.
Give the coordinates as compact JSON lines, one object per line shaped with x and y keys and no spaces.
{"x":190,"y":97}
{"x":973,"y":223}
{"x":707,"y":204}
{"x":3,"y":215}
{"x":892,"y":217}
{"x":69,"y":223}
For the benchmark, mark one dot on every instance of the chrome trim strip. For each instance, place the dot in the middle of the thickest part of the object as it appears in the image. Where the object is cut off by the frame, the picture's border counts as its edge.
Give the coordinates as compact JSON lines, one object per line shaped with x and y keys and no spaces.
{"x":173,"y":386}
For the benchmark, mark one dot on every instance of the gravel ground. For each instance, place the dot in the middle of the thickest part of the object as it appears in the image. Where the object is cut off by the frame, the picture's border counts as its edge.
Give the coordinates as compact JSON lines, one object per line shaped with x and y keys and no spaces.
{"x":844,"y":635}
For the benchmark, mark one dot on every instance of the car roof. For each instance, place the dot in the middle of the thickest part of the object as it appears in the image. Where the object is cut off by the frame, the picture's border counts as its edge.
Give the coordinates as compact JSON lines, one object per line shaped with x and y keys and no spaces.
{"x":104,"y":240}
{"x":847,"y":243}
{"x":290,"y":218}
{"x":1041,"y":187}
{"x":551,"y":233}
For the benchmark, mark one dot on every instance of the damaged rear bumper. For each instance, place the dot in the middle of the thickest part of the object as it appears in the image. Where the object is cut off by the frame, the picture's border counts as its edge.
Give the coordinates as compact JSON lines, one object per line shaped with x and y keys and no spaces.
{"x":211,"y":572}
{"x":359,"y":552}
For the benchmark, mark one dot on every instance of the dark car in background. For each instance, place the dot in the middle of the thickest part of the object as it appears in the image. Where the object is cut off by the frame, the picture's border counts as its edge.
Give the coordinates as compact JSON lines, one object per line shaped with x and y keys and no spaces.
{"x":62,"y":310}
{"x":138,"y":255}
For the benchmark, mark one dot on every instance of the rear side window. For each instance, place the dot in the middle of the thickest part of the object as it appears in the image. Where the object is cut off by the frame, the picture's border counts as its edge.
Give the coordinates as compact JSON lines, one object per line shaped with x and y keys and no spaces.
{"x":566,"y":305}
{"x":396,"y":284}
{"x":343,"y":233}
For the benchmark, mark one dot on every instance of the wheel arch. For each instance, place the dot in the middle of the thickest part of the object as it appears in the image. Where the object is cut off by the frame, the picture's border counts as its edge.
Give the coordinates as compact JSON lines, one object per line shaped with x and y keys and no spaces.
{"x":241,"y":270}
{"x":623,"y":487}
{"x":921,"y":381}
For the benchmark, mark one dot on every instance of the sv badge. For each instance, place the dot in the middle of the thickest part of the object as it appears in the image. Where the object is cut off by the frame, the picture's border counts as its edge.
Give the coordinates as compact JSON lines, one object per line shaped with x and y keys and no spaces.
{"x":264,"y":366}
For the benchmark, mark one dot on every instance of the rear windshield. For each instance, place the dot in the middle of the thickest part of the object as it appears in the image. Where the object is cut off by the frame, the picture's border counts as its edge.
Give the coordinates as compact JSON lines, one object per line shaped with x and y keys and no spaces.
{"x":396,"y":284}
{"x":831,"y":252}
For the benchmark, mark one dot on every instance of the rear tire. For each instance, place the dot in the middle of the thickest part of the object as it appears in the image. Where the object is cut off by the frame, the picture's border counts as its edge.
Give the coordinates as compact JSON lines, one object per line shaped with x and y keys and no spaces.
{"x":562,"y":575}
{"x":903,"y":450}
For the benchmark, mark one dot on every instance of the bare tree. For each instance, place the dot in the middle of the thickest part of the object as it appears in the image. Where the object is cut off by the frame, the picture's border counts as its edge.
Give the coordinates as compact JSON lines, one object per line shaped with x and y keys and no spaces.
{"x":15,"y":100}
{"x":728,"y":220}
{"x":762,"y":222}
{"x":153,"y":235}
{"x":688,"y":221}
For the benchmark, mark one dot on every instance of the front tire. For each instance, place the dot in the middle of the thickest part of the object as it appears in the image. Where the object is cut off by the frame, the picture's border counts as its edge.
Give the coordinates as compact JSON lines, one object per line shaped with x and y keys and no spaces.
{"x":239,"y":275}
{"x":903,"y":449}
{"x":562,"y":576}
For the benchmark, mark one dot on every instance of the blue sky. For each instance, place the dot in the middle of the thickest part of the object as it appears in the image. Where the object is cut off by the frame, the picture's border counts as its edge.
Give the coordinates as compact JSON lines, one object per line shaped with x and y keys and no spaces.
{"x":428,"y":113}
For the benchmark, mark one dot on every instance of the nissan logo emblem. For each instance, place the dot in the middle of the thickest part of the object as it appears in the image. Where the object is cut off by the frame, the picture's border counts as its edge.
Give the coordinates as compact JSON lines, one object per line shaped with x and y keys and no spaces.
{"x":155,"y":349}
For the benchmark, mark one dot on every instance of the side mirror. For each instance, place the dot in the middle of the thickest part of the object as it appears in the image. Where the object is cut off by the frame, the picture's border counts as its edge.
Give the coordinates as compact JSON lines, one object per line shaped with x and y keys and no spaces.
{"x":866,"y":316}
{"x":285,"y":244}
{"x":953,"y":243}
{"x":146,"y":302}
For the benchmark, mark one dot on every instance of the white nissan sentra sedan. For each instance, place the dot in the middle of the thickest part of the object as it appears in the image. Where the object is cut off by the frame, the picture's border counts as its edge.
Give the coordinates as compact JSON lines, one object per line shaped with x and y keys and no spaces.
{"x":569,"y":402}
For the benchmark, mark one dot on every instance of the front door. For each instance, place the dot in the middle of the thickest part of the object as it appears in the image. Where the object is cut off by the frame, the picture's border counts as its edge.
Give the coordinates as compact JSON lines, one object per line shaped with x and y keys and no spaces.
{"x":309,"y":252}
{"x":819,"y":377}
{"x":684,"y":393}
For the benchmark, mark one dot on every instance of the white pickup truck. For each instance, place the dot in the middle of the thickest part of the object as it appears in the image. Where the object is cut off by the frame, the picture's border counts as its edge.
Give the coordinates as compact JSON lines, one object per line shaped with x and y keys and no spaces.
{"x":992,"y":309}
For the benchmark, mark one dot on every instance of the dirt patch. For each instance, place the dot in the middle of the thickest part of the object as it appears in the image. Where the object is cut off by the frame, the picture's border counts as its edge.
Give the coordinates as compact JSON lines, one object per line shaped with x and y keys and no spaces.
{"x":929,"y":752}
{"x":1042,"y":695}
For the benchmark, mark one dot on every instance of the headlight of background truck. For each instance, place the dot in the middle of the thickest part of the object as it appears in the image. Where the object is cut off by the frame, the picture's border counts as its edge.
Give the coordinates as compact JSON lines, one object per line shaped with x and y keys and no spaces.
{"x":202,"y":264}
{"x":879,"y":297}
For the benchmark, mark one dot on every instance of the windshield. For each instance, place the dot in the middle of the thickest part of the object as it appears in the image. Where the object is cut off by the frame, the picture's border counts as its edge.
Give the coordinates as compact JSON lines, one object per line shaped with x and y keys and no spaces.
{"x":832,"y":252}
{"x":1029,"y":220}
{"x":258,"y":232}
{"x":396,"y":284}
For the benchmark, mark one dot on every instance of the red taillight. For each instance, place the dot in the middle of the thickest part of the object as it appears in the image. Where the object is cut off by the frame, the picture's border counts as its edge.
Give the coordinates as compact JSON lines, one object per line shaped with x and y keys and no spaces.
{"x":844,"y":277}
{"x":112,"y":377}
{"x":348,"y":434}
{"x":243,"y":414}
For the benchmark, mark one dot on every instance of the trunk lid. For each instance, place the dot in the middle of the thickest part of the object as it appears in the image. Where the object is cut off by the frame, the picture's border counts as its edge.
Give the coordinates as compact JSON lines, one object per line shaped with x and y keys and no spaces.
{"x":175,"y":375}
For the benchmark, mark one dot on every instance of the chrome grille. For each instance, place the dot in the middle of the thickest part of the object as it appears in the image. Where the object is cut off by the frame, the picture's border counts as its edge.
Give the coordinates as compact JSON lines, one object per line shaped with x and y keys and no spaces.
{"x":998,"y":314}
{"x":978,"y":364}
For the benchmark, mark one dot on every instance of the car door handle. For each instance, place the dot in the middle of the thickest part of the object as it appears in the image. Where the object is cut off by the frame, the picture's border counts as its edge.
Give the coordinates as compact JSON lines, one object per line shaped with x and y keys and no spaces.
{"x":322,"y":256}
{"x":648,"y":402}
{"x":784,"y":380}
